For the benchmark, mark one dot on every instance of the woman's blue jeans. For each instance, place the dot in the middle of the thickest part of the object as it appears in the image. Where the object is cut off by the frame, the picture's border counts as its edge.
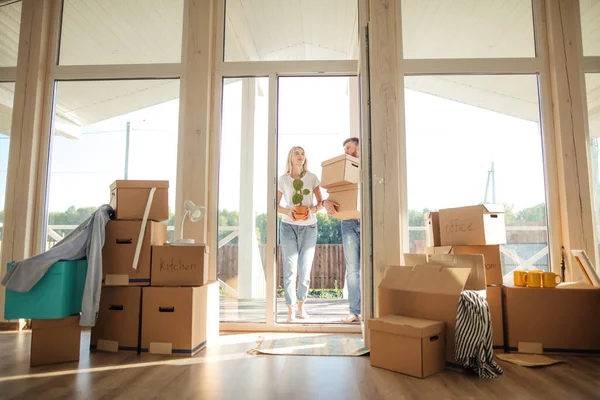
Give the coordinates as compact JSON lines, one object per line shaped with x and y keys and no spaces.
{"x":298,"y":244}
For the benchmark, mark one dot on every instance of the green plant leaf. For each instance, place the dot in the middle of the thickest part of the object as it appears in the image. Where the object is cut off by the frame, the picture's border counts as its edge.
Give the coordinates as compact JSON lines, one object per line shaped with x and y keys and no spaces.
{"x":298,"y":184}
{"x":305,"y":192}
{"x":297,"y":199}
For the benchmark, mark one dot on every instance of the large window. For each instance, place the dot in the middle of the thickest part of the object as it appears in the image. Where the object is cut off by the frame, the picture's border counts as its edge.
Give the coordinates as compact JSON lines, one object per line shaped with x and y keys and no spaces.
{"x":104,"y":131}
{"x":97,"y":32}
{"x":590,"y":23}
{"x":275,"y":30}
{"x":10,"y":25}
{"x":467,"y":29}
{"x":592,"y":83}
{"x":7,"y":91}
{"x":473,"y":140}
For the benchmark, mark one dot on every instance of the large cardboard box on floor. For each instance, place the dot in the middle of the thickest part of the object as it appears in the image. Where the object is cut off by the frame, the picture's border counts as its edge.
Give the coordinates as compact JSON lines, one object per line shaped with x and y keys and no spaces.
{"x":348,"y":198}
{"x":407,"y":345}
{"x":557,"y":320}
{"x":179,"y":265}
{"x":55,"y":341}
{"x":179,"y":320}
{"x":433,"y":229}
{"x":426,"y":292}
{"x":119,"y":250}
{"x":341,"y":170}
{"x":492,"y":258}
{"x":478,"y":225}
{"x":472,"y":262}
{"x":129,"y":199}
{"x":118,"y":324}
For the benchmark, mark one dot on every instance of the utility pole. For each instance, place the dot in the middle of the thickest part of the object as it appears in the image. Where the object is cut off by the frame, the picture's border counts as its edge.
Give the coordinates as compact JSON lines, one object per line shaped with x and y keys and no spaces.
{"x":491,"y":178}
{"x":127,"y":132}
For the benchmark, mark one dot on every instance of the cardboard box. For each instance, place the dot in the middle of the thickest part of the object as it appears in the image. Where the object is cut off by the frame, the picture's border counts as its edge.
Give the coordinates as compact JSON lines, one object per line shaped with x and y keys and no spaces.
{"x":426,"y":292}
{"x":129,"y":199}
{"x":494,"y":300}
{"x":341,"y":170}
{"x":471,"y":262}
{"x":179,"y":320}
{"x":179,"y":265}
{"x":348,"y":198}
{"x":55,"y":341}
{"x":473,"y":226}
{"x":560,"y":320}
{"x":433,"y":229}
{"x":119,"y":250}
{"x":118,"y":324}
{"x":492,"y":257}
{"x":407,"y":345}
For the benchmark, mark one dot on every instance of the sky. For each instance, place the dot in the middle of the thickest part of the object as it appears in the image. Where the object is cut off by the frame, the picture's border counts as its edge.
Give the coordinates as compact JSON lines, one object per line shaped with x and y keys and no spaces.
{"x":450,"y":147}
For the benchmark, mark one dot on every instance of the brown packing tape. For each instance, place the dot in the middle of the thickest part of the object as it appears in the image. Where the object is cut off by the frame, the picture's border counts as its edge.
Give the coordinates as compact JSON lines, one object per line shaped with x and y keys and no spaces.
{"x":116,"y":280}
{"x":160,"y":348}
{"x":530,"y":348}
{"x":107,"y":345}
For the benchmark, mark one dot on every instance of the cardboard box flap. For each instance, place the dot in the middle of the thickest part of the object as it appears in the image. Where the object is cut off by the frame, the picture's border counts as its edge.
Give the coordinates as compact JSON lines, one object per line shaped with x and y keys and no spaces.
{"x":494,"y":208}
{"x":53,"y":323}
{"x":341,"y":188}
{"x":137,"y":184}
{"x":426,"y":279}
{"x":340,"y":158}
{"x":407,"y":326}
{"x":472,"y":262}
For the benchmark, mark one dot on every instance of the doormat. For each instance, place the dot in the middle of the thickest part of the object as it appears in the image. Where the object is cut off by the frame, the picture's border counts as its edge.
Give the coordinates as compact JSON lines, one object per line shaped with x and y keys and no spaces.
{"x":312,"y":345}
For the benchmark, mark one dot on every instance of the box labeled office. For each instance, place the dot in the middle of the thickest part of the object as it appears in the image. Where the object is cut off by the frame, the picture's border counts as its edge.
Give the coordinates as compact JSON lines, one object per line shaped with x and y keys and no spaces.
{"x":478,"y":225}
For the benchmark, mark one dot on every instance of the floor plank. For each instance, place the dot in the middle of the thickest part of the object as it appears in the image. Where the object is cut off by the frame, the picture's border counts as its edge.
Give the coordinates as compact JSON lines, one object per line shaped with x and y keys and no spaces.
{"x":227,"y":371}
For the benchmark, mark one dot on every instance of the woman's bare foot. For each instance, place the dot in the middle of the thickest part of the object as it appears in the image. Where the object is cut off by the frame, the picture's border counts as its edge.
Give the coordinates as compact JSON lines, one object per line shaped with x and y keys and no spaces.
{"x":290,"y":314}
{"x":351,"y":318}
{"x":302,"y":311}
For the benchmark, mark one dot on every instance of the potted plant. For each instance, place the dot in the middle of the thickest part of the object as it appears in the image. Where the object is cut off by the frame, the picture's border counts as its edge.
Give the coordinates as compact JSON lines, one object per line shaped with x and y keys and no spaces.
{"x":298,"y":196}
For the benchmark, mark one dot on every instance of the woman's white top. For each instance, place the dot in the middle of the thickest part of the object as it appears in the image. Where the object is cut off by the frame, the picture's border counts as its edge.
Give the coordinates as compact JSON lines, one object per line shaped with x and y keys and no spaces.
{"x":285,"y":186}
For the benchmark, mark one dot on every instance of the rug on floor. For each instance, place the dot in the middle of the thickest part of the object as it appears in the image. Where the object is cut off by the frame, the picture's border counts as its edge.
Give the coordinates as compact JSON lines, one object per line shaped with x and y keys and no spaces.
{"x":312,"y":345}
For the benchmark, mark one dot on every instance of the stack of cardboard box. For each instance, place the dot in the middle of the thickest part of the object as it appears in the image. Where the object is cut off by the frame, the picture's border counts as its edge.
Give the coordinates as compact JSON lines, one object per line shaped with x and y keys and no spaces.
{"x":478,"y":229}
{"x":161,"y":303}
{"x":340,"y":177}
{"x":118,"y":327}
{"x":528,"y":320}
{"x":418,"y":301}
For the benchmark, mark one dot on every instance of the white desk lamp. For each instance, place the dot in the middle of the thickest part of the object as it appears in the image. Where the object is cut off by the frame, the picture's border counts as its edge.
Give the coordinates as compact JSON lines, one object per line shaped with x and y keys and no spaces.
{"x":195,"y":213}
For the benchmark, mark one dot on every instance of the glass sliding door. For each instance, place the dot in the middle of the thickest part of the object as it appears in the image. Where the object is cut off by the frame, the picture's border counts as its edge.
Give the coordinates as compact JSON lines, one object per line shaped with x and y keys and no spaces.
{"x":317,"y":114}
{"x":242,"y":204}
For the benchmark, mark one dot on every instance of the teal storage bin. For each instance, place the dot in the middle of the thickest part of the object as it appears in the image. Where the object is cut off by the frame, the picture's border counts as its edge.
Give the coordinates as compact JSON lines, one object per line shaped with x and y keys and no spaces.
{"x":57,"y":295}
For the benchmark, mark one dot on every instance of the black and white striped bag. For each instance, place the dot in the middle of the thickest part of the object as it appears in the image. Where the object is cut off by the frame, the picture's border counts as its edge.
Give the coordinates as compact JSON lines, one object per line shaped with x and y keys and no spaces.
{"x":473,"y":336}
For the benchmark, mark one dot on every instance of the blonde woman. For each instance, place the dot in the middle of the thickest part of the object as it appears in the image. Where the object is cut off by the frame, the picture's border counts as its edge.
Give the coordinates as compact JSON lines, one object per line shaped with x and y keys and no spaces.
{"x":298,"y":229}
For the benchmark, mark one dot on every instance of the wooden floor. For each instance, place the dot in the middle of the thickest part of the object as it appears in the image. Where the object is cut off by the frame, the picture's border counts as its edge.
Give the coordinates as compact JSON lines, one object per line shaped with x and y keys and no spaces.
{"x":227,"y":371}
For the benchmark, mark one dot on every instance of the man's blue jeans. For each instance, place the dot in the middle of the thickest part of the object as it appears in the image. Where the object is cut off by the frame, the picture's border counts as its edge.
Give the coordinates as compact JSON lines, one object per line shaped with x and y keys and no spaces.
{"x":351,"y":240}
{"x":298,"y":243}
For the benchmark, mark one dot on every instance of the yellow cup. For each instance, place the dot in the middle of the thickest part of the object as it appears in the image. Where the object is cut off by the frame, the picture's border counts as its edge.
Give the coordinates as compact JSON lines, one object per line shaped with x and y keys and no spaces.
{"x":520,"y":277}
{"x":550,"y":279}
{"x":534,"y":279}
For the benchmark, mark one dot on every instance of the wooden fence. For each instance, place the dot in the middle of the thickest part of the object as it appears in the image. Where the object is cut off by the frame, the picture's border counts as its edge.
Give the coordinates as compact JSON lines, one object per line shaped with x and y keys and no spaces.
{"x":328,"y":270}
